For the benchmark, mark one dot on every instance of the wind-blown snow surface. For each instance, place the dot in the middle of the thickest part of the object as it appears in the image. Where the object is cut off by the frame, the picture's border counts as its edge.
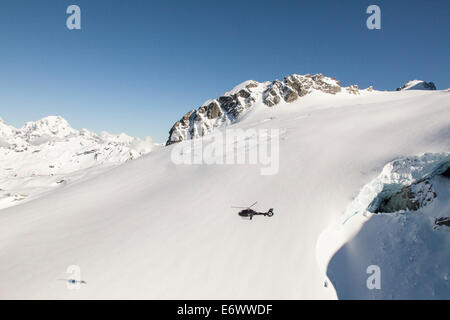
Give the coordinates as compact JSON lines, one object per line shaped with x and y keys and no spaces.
{"x":154,"y":229}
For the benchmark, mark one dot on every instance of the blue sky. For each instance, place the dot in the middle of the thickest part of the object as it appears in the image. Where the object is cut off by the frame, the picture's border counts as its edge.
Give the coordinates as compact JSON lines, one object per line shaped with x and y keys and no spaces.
{"x":137,"y":66}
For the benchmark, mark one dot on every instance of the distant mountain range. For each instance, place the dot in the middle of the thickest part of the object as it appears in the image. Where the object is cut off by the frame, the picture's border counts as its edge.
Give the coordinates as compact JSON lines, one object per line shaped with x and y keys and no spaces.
{"x":51,"y":150}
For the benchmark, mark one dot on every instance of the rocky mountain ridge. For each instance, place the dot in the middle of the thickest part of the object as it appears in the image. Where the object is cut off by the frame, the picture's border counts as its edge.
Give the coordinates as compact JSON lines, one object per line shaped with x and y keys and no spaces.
{"x":231,"y":105}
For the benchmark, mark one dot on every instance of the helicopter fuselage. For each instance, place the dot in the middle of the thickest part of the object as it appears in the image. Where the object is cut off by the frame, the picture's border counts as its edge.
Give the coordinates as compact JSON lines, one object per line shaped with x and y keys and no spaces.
{"x":249,"y":213}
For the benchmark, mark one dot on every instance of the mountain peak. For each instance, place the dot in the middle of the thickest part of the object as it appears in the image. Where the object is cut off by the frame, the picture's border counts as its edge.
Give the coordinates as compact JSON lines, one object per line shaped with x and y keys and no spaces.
{"x":232,"y":104}
{"x":52,"y":121}
{"x":417,"y":85}
{"x":53,"y":126}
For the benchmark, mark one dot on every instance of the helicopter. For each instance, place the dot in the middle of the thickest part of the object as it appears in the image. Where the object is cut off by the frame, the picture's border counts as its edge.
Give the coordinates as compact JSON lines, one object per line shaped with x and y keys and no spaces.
{"x":249,"y":213}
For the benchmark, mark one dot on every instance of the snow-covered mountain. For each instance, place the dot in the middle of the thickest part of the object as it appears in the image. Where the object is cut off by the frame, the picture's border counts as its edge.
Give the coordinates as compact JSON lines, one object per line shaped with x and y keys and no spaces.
{"x":417,"y":85}
{"x":362,"y":182}
{"x":233,"y":104}
{"x":49,"y":153}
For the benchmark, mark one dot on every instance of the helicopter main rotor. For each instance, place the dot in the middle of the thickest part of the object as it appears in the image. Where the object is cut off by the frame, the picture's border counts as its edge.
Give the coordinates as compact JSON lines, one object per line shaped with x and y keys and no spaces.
{"x":244,"y":207}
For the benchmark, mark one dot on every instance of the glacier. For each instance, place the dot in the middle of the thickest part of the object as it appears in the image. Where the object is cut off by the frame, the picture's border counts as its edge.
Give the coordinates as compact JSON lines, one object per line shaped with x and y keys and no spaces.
{"x":153,"y":229}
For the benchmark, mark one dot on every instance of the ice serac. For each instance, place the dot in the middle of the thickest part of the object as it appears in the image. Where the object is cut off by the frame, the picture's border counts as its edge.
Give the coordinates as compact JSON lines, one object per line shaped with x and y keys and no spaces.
{"x":417,"y":85}
{"x":415,"y":195}
{"x":402,"y":221}
{"x":231,"y":105}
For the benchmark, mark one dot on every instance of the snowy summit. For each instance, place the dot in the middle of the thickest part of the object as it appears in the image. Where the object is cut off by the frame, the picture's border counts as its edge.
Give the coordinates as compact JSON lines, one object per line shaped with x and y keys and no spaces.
{"x":417,"y":85}
{"x":232,"y":105}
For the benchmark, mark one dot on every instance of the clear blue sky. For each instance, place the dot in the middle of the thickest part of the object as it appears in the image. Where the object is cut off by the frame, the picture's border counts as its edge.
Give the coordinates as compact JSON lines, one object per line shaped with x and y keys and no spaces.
{"x":137,"y":66}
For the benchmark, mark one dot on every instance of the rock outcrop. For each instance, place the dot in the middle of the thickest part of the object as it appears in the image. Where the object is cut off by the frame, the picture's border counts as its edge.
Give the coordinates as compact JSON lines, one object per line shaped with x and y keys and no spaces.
{"x":213,"y":113}
{"x":417,"y":85}
{"x":295,"y":86}
{"x":231,"y":105}
{"x":413,"y":197}
{"x":410,"y":198}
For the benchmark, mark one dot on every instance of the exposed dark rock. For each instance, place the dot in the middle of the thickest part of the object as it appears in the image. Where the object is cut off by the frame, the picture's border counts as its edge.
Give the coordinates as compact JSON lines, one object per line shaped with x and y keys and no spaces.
{"x":446,"y":173}
{"x":244,"y":93}
{"x":409,"y":198}
{"x":272,"y":95}
{"x":295,"y":86}
{"x":197,"y":123}
{"x":444,"y":221}
{"x":252,"y":84}
{"x":213,"y":110}
{"x":227,"y":102}
{"x":289,"y":94}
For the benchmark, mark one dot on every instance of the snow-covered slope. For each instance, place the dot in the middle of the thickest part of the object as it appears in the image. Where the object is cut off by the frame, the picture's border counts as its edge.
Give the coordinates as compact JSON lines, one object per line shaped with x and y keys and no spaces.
{"x":48,"y":153}
{"x":417,"y":85}
{"x":152,"y":228}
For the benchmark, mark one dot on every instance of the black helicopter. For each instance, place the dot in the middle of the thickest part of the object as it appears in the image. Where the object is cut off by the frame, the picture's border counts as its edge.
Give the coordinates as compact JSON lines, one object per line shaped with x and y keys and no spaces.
{"x":249,"y":213}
